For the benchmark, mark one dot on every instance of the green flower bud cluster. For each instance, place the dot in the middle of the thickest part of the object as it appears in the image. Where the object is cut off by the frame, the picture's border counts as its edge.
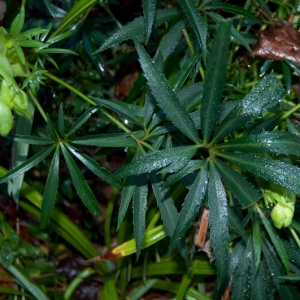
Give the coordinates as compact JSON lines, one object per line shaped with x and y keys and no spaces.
{"x":283,"y":202}
{"x":11,"y":96}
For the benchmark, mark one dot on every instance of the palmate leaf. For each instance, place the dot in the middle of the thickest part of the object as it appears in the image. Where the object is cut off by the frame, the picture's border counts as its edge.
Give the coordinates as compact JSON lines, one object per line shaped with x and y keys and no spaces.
{"x":166,"y":97}
{"x":121,"y":110}
{"x":80,"y":184}
{"x":196,"y":20}
{"x":190,"y":207}
{"x":50,"y":191}
{"x":94,"y":167}
{"x":276,"y":270}
{"x":155,"y":161}
{"x":28,"y":164}
{"x":139,"y":211}
{"x":262,"y":97}
{"x":218,"y":222}
{"x":277,"y":142}
{"x":149,"y":15}
{"x":214,"y":79}
{"x":106,"y":140}
{"x":275,"y":240}
{"x":137,"y":27}
{"x":283,"y":174}
{"x":240,"y":188}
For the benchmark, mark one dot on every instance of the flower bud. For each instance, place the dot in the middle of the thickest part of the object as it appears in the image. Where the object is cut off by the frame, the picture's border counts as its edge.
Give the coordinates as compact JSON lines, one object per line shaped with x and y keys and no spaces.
{"x":21,"y":105}
{"x":5,"y":94}
{"x":6,"y":119}
{"x":282,"y":216}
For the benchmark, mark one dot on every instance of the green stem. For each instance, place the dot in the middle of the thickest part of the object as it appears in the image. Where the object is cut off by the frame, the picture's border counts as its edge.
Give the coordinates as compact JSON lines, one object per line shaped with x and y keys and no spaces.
{"x":290,"y":112}
{"x":37,"y":104}
{"x":86,"y":98}
{"x":295,"y":236}
{"x":188,"y":41}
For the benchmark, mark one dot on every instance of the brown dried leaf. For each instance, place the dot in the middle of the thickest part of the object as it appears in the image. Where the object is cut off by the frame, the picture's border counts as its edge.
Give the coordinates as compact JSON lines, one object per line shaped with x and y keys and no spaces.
{"x":279,"y":42}
{"x":200,"y":236}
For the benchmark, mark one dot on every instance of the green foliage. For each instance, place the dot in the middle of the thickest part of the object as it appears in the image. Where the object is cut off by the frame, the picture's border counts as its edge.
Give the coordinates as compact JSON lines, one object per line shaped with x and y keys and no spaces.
{"x":186,"y":146}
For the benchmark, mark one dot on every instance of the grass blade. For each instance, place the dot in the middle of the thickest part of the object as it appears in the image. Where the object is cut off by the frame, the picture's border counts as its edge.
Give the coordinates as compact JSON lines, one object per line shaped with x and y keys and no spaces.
{"x":149,"y":15}
{"x":214,"y":79}
{"x":166,"y":97}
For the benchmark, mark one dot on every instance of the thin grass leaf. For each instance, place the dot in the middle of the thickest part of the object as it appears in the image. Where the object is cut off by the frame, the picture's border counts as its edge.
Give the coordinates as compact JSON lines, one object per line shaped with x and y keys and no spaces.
{"x":191,"y":96}
{"x":141,"y":290}
{"x":293,"y":277}
{"x":275,"y":240}
{"x":262,"y":97}
{"x":183,"y":74}
{"x":51,"y":129}
{"x":82,"y":119}
{"x":50,"y":191}
{"x":30,"y":139}
{"x":190,"y":207}
{"x":55,"y":50}
{"x":94,"y":167}
{"x":31,"y":33}
{"x":214,"y":79}
{"x":21,"y":276}
{"x":276,"y":270}
{"x":283,"y":174}
{"x":150,"y":104}
{"x":190,"y":167}
{"x":155,"y":161}
{"x":166,"y":97}
{"x":18,"y":22}
{"x":235,"y":223}
{"x":265,"y":7}
{"x":238,"y":186}
{"x":235,"y":10}
{"x":218,"y":222}
{"x":196,"y":20}
{"x":149,"y":9}
{"x":49,"y":7}
{"x":137,"y":27}
{"x":234,"y":33}
{"x":139,"y":211}
{"x":106,"y":140}
{"x":30,"y":43}
{"x":80,"y":184}
{"x":61,"y":121}
{"x":172,"y":39}
{"x":121,"y":110}
{"x":20,"y":53}
{"x":28,"y":164}
{"x":59,"y":37}
{"x":277,"y":142}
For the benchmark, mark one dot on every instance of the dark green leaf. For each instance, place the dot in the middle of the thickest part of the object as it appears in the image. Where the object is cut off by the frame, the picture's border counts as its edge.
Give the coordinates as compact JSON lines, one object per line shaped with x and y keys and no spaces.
{"x":81,"y":186}
{"x":240,"y":188}
{"x":234,"y":33}
{"x":196,"y":20}
{"x":214,"y":79}
{"x":94,"y":167}
{"x":106,"y":140}
{"x":61,"y":121}
{"x":256,"y":242}
{"x":191,"y":96}
{"x":293,"y":252}
{"x":234,"y":9}
{"x":277,"y":142}
{"x":241,"y":280}
{"x":276,"y":269}
{"x":30,"y":139}
{"x":137,"y":27}
{"x":49,"y":7}
{"x":82,"y":119}
{"x":172,"y":39}
{"x":121,"y":110}
{"x":218,"y":222}
{"x":293,"y":277}
{"x":278,"y":172}
{"x":150,"y":104}
{"x":287,"y":76}
{"x":28,"y":164}
{"x":139,"y":211}
{"x":149,"y":15}
{"x":294,"y":67}
{"x":265,"y":7}
{"x":155,"y":161}
{"x":51,"y":129}
{"x":190,"y":207}
{"x":235,"y":222}
{"x":275,"y":240}
{"x":292,"y":128}
{"x":190,"y":167}
{"x":50,"y":191}
{"x":266,"y":125}
{"x":262,"y":97}
{"x":182,"y":75}
{"x":166,"y":97}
